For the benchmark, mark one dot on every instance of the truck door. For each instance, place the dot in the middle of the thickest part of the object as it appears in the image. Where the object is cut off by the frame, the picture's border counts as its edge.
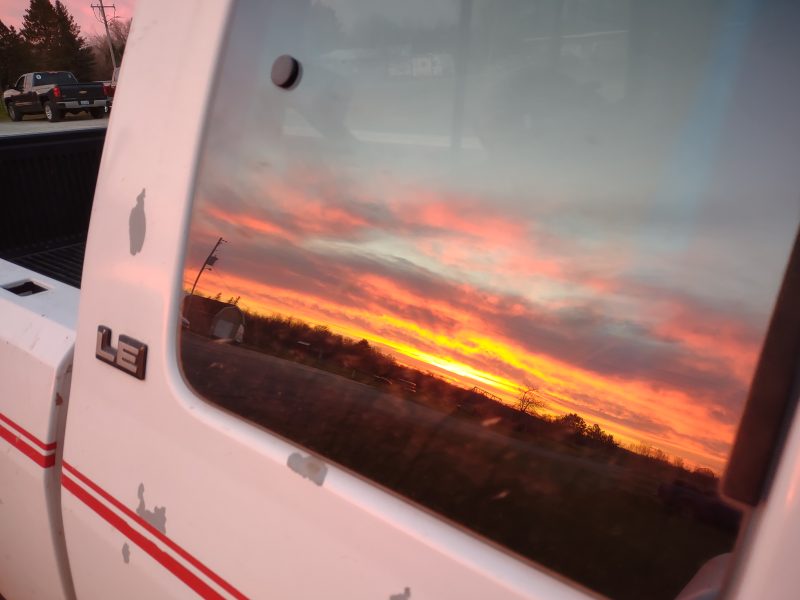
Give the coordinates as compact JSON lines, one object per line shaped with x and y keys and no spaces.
{"x":26,"y":101}
{"x":451,"y":299}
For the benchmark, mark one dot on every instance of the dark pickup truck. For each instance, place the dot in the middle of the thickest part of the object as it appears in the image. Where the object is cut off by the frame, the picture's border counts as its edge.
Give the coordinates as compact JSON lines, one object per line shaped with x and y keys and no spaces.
{"x":54,"y":93}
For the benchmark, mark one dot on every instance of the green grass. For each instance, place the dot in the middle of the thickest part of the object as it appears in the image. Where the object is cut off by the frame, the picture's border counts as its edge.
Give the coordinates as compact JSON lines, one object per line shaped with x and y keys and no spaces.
{"x":4,"y":116}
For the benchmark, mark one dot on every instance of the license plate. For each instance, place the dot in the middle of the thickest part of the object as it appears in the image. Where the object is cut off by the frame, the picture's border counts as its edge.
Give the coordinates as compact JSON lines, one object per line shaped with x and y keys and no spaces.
{"x":85,"y":102}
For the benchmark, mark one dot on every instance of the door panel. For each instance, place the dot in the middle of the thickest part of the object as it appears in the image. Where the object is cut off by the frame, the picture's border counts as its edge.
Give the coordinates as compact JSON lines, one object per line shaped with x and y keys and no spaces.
{"x":439,"y":170}
{"x":238,"y":520}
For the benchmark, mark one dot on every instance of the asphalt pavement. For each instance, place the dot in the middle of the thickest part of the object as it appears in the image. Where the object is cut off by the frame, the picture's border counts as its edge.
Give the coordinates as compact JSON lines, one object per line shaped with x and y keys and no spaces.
{"x":38,"y":124}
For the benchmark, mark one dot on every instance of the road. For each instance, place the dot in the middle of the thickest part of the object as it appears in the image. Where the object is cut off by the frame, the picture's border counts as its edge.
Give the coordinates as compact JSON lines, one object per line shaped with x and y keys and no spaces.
{"x":38,"y":124}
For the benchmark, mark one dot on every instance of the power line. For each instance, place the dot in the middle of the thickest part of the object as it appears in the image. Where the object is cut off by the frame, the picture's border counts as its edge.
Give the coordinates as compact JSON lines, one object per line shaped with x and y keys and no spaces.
{"x":102,"y":9}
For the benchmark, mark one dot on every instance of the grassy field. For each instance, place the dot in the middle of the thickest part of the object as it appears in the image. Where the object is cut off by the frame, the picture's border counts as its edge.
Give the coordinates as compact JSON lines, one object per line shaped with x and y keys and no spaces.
{"x":4,"y":116}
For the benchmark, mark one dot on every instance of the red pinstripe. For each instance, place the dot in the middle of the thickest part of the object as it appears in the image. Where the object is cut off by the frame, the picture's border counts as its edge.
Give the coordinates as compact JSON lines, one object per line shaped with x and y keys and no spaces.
{"x":27,"y":434}
{"x":172,"y":565}
{"x":14,"y":433}
{"x":12,"y":437}
{"x":155,"y":532}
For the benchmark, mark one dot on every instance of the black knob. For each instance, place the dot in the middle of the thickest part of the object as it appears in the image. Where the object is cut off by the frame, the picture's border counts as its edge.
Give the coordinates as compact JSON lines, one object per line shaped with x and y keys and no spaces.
{"x":285,"y":71}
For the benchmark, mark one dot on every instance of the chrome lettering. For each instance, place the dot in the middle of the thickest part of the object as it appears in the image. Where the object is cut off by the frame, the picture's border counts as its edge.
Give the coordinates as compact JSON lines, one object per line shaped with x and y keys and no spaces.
{"x":129,"y":356}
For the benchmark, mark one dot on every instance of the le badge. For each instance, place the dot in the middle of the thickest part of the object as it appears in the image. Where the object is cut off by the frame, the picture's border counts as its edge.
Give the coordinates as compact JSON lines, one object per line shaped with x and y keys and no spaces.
{"x":130,"y":355}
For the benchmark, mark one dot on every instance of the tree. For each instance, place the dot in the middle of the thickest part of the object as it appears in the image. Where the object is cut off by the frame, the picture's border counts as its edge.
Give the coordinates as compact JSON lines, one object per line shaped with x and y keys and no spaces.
{"x":54,"y":39}
{"x":38,"y":29}
{"x":15,"y":56}
{"x":599,"y":437}
{"x":574,"y":423}
{"x":529,"y":401}
{"x":71,"y":49}
{"x":118,"y":30}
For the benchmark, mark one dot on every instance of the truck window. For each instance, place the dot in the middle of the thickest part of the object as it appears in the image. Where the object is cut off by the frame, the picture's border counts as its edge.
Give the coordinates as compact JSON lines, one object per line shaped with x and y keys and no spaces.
{"x":511,"y":261}
{"x":54,"y":78}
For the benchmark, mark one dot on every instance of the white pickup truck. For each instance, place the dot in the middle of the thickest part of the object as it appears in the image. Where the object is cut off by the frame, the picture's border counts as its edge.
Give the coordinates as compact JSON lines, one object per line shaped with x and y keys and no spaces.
{"x":426,"y":299}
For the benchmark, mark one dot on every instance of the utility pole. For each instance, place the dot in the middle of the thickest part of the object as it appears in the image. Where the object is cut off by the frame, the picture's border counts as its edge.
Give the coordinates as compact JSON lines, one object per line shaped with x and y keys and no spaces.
{"x":102,"y":9}
{"x":209,"y":262}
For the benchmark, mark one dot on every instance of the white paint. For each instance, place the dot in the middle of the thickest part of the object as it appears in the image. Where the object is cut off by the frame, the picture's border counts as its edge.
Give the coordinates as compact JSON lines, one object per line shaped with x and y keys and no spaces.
{"x":37,"y":334}
{"x":231,"y":500}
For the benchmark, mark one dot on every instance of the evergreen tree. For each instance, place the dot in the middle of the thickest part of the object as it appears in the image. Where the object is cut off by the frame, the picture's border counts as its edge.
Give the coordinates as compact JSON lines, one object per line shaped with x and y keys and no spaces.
{"x":70,"y":49}
{"x":54,"y":38}
{"x":38,"y":30}
{"x":14,"y":55}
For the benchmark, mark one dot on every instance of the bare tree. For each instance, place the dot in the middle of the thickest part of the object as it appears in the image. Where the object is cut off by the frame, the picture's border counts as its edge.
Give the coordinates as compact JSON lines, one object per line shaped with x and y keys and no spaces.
{"x":119,"y":30}
{"x":529,"y":401}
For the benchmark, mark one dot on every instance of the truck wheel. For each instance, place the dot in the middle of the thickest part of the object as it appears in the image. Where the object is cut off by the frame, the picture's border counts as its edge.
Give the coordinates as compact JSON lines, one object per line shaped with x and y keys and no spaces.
{"x":96,"y":113}
{"x":13,"y":113}
{"x":52,"y":112}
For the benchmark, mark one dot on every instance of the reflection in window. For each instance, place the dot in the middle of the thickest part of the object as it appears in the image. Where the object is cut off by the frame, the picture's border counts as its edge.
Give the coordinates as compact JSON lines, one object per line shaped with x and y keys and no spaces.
{"x":511,"y":260}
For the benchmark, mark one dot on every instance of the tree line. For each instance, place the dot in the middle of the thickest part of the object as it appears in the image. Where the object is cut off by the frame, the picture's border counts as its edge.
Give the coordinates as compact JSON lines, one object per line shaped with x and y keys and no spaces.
{"x":51,"y":40}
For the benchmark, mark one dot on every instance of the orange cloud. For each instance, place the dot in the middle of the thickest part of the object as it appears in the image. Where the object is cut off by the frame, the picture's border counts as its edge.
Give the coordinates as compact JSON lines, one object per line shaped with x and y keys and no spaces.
{"x":243,"y":220}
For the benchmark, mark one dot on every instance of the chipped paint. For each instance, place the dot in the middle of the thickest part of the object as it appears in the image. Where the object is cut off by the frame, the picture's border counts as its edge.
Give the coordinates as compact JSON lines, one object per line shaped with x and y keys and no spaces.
{"x":156,"y":517}
{"x":126,"y":553}
{"x":404,"y":596}
{"x":308,"y":466}
{"x":137,"y":225}
{"x":59,"y":399}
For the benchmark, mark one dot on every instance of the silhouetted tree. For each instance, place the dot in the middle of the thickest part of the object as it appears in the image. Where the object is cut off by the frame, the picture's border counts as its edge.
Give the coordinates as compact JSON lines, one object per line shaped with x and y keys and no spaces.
{"x":15,"y":55}
{"x":529,"y":401}
{"x":599,"y":437}
{"x":119,"y":30}
{"x":39,"y":30}
{"x":54,"y":39}
{"x":71,"y":49}
{"x":574,"y":423}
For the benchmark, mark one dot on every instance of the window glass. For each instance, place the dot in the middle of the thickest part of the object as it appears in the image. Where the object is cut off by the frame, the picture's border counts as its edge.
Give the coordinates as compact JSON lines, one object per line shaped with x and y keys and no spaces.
{"x":57,"y":78}
{"x":511,"y":260}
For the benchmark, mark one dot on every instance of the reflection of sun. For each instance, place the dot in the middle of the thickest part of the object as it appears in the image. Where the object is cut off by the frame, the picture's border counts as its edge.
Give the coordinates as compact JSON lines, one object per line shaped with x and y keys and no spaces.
{"x":465,"y":373}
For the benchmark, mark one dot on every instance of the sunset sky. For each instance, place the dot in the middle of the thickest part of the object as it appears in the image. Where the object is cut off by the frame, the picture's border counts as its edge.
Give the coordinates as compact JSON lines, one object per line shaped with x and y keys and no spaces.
{"x":440,"y":284}
{"x":622,"y":260}
{"x":12,"y":11}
